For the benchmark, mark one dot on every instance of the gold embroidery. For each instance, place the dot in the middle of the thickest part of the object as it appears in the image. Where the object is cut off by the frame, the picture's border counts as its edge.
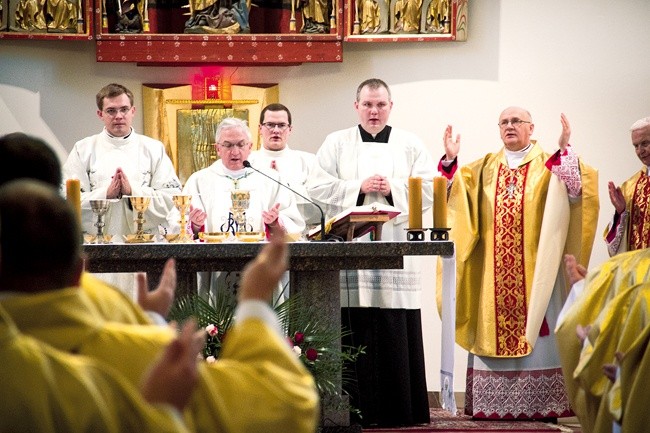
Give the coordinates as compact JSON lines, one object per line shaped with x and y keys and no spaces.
{"x":640,"y":218}
{"x":509,"y":271}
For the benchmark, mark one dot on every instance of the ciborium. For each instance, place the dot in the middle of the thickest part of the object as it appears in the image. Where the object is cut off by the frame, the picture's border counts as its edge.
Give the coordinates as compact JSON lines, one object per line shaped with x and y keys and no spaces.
{"x":240,"y":202}
{"x":99,"y":208}
{"x":140,"y":205}
{"x":182,"y":203}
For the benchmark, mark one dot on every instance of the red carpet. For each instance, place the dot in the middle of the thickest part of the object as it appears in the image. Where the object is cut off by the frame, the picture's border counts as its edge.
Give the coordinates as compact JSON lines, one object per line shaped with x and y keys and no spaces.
{"x":443,"y":421}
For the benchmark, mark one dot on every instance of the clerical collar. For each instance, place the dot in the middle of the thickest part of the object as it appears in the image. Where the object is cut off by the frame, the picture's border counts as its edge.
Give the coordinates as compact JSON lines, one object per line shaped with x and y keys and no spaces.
{"x":234,"y":173}
{"x":274,"y":153}
{"x":514,"y":157}
{"x":119,"y":138}
{"x":381,"y":137}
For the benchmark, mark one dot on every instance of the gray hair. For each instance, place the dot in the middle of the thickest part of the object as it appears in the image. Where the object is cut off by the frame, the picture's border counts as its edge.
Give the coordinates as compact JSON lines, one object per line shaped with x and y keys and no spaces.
{"x":640,"y":124}
{"x":233,"y":122}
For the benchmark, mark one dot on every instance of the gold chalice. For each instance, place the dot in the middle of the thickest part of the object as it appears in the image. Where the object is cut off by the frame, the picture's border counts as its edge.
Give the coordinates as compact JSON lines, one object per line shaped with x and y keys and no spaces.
{"x":182,"y":203}
{"x":240,"y":202}
{"x":140,"y":204}
{"x":99,"y":208}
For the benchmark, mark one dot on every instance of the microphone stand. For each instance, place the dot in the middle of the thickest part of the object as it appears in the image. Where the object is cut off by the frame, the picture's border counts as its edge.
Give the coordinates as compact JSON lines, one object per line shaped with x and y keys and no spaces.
{"x":324,"y":236}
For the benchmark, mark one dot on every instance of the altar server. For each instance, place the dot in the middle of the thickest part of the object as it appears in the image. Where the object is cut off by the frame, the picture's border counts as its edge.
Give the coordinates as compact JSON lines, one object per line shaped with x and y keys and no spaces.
{"x":382,"y":307}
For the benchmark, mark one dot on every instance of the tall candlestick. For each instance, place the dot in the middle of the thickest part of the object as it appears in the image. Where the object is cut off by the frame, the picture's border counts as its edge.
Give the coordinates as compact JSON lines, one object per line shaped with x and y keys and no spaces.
{"x":73,"y":195}
{"x":439,"y":202}
{"x":415,"y":203}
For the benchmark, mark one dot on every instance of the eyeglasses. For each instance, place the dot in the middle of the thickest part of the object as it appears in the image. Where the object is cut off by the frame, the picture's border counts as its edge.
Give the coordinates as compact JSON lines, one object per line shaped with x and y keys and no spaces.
{"x":228,"y":145}
{"x":113,"y":111}
{"x":514,"y":122}
{"x":271,"y":126}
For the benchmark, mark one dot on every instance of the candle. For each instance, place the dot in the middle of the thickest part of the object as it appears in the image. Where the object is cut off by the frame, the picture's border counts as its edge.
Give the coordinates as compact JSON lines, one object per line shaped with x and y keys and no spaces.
{"x":73,"y":195}
{"x":439,"y":202}
{"x":415,"y":203}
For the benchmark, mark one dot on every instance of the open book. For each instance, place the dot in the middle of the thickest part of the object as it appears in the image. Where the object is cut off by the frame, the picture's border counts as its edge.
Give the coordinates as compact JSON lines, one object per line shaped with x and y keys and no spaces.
{"x":357,"y":221}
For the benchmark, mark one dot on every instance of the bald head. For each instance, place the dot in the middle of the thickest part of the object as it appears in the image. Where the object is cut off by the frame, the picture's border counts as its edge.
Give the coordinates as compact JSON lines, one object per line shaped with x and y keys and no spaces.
{"x":41,"y":239}
{"x":516,"y":126}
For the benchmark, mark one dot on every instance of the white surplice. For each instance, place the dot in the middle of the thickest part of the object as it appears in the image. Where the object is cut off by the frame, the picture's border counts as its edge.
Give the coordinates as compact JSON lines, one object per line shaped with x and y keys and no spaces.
{"x":344,"y":155}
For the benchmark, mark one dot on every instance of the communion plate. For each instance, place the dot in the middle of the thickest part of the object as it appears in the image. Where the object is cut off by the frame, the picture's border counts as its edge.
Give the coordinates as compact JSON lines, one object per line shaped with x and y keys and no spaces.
{"x":92,"y":239}
{"x":251,"y":236}
{"x":213,"y":237}
{"x":133,"y":238}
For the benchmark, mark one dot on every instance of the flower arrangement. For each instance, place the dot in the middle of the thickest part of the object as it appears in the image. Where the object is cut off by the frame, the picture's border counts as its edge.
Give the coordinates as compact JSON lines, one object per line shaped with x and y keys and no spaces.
{"x":314,"y":340}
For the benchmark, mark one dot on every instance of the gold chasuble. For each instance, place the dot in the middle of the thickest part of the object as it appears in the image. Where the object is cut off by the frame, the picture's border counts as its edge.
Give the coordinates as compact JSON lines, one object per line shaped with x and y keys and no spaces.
{"x":636,"y":234}
{"x":609,"y":289}
{"x":511,"y":228}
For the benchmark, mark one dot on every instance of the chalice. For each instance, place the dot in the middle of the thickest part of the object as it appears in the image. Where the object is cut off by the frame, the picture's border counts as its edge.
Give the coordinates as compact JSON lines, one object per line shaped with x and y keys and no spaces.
{"x":99,"y":208}
{"x":140,"y":204}
{"x":182,"y":203}
{"x":240,"y":201}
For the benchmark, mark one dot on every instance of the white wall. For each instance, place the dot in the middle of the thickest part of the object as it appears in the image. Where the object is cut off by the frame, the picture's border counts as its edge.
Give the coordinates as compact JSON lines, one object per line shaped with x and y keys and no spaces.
{"x":583,"y":57}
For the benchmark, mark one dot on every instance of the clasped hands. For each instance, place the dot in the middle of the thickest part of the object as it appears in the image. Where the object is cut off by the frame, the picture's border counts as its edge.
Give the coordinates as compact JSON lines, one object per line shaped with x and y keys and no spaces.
{"x":376,"y":183}
{"x":119,"y":185}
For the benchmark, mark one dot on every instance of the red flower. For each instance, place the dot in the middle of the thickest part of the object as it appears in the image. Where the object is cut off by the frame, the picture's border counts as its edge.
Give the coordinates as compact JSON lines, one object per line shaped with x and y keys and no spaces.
{"x":311,"y":354}
{"x":298,"y":338}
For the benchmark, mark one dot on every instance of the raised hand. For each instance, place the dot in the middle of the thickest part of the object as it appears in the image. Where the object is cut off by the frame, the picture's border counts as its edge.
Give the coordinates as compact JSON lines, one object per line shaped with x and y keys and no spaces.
{"x":616,"y":197}
{"x":172,"y":379}
{"x":197,"y":217}
{"x":261,"y":275}
{"x":161,"y":298}
{"x":566,"y":133}
{"x":451,"y":146}
{"x":270,"y":216}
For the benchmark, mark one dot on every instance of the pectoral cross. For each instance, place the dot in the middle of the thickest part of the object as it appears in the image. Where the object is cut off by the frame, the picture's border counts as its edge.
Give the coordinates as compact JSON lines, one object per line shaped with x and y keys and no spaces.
{"x":511,"y":188}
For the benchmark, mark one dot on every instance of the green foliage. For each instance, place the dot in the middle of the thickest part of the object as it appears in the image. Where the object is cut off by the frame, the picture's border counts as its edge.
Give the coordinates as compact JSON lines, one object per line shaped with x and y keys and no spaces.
{"x":316,"y":341}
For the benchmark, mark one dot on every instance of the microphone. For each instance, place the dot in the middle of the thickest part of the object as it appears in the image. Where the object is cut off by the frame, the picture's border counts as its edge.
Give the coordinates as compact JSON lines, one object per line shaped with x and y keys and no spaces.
{"x":323,"y":235}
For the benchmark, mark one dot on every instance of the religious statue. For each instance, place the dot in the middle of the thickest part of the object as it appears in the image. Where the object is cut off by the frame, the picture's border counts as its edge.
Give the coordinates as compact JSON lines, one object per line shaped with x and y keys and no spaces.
{"x":218,"y":16}
{"x":315,"y":16}
{"x":370,"y":16}
{"x":29,"y":15}
{"x":2,"y":16}
{"x":129,"y":16}
{"x":407,"y":15}
{"x":438,"y":17}
{"x":61,"y":15}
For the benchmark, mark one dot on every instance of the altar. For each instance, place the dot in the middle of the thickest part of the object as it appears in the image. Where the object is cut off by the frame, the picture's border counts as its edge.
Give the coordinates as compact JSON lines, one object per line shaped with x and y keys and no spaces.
{"x":314,"y":266}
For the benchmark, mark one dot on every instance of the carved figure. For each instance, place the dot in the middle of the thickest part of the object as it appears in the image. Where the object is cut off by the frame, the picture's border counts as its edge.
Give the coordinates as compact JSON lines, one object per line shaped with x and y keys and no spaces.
{"x":61,"y":15}
{"x":315,"y":16}
{"x":370,"y":16}
{"x":438,"y":17}
{"x":218,"y":16}
{"x":29,"y":15}
{"x":411,"y":13}
{"x":129,"y":16}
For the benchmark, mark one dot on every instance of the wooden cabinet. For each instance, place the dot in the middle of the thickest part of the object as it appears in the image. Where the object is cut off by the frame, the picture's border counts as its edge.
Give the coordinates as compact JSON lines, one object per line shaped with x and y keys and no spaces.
{"x":46,"y":19}
{"x":405,"y":21}
{"x":278,"y":32}
{"x":274,"y":37}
